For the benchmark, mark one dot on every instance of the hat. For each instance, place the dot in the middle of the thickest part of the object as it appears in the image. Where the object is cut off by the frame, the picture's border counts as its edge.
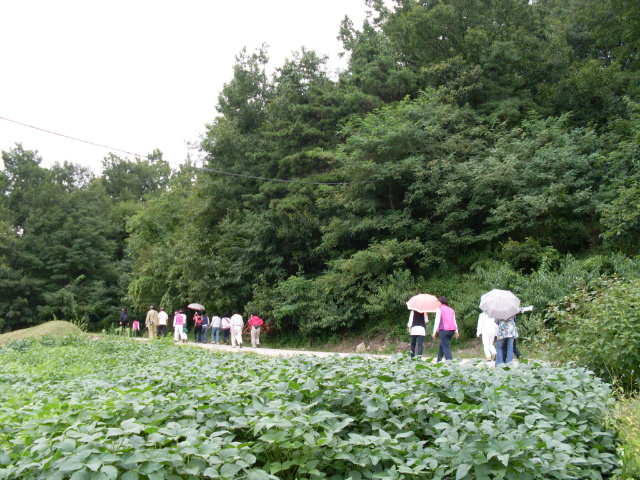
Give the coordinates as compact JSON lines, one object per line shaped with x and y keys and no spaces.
{"x":152,"y":307}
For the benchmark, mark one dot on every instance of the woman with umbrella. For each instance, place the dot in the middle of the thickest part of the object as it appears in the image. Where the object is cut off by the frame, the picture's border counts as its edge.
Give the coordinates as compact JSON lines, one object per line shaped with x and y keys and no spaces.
{"x":503,"y":305}
{"x":418,"y":319}
{"x":417,"y":329}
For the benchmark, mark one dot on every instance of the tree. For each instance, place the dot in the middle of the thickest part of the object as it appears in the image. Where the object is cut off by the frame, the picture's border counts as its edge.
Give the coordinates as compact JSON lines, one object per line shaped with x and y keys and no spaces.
{"x":131,"y":180}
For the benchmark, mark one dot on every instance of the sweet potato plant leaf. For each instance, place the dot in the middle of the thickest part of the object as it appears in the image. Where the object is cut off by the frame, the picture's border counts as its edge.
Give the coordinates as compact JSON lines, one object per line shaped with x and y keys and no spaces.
{"x":228,"y":470}
{"x":462,"y":471}
{"x":83,"y":474}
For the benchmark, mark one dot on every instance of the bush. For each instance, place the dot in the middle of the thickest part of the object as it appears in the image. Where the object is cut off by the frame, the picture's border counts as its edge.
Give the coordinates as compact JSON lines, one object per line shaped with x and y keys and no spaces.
{"x":599,"y":327}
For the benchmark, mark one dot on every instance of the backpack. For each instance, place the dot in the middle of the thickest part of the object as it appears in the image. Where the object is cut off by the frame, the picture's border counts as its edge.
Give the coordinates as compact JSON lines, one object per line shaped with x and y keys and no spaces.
{"x":198,"y":322}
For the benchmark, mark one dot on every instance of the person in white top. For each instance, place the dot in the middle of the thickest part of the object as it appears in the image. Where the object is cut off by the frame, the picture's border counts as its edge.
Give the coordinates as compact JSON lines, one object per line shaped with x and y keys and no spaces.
{"x":225,"y":326}
{"x":216,"y":321}
{"x":237,"y":323}
{"x":162,"y":322}
{"x":417,"y":330}
{"x":488,"y":328}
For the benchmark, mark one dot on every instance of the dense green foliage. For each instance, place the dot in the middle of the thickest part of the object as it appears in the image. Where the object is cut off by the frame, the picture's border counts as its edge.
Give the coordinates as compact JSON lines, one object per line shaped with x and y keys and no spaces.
{"x":467,"y":146}
{"x":93,"y":409}
{"x":597,"y":327}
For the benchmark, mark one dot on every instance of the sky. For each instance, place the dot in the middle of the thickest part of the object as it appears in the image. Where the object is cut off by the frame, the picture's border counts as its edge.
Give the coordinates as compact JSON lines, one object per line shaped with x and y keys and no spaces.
{"x":136,"y":75}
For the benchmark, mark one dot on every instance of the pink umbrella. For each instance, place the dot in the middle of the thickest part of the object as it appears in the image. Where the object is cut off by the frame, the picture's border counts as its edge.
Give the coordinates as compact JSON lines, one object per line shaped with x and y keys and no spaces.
{"x":423,"y":302}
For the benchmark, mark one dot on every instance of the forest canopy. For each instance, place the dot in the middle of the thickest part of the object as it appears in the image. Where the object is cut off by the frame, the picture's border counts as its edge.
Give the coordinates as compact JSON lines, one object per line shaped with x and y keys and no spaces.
{"x":467,"y":145}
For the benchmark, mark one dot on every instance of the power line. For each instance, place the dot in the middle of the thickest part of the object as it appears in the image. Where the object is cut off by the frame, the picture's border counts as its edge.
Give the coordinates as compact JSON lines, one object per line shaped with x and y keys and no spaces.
{"x":175,"y":163}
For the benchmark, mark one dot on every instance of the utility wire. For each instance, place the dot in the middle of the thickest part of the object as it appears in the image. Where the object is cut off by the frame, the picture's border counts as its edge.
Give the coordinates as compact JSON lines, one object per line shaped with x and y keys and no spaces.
{"x":175,"y":163}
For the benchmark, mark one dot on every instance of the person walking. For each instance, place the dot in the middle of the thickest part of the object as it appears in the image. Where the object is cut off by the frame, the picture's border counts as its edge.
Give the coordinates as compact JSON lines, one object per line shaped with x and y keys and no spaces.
{"x":163,"y":318}
{"x":237,"y":322}
{"x":445,"y":325}
{"x":124,"y":320}
{"x":179,"y":321}
{"x":417,"y":329}
{"x":507,"y":333}
{"x":136,"y":328}
{"x":488,"y":328}
{"x":255,"y":322}
{"x":197,"y":326}
{"x":225,"y":326}
{"x":205,"y":328}
{"x":216,"y":322}
{"x":151,"y":322}
{"x":509,"y":347}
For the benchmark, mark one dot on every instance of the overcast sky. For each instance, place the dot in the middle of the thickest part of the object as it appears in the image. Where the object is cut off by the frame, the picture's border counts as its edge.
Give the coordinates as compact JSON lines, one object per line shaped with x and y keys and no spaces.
{"x":136,"y":75}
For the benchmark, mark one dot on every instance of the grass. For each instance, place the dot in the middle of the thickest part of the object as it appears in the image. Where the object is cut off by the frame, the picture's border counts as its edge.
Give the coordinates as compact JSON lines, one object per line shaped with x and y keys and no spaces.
{"x":625,"y":419}
{"x":57,"y":327}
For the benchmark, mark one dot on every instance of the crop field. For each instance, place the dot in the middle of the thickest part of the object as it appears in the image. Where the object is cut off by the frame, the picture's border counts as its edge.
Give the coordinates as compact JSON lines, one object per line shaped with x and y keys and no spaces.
{"x":82,"y":409}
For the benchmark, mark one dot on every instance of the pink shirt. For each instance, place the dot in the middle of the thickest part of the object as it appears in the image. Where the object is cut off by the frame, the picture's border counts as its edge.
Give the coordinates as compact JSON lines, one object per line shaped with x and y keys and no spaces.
{"x":179,"y":318}
{"x":445,"y":319}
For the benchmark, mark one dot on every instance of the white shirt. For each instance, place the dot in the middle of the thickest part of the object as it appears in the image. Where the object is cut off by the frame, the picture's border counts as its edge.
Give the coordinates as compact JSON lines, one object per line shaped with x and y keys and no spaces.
{"x":216,"y":321}
{"x":486,"y":325}
{"x":163,"y":317}
{"x":236,"y":321}
{"x":418,"y":330}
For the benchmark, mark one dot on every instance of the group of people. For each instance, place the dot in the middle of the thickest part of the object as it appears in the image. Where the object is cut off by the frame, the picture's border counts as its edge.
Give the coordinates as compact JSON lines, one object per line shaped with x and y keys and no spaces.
{"x":445,"y":326}
{"x":230,"y":326}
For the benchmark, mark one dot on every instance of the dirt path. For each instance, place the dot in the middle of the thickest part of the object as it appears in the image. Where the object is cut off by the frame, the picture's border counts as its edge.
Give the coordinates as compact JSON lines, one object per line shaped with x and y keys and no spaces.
{"x":273,"y":352}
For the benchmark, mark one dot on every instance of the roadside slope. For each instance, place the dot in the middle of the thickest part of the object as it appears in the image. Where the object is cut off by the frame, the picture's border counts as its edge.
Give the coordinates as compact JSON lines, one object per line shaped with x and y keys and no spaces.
{"x":56,"y":327}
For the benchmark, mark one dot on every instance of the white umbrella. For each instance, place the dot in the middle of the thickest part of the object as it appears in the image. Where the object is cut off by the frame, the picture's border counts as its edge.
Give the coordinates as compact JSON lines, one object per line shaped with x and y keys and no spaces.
{"x":500,"y":304}
{"x":196,"y":306}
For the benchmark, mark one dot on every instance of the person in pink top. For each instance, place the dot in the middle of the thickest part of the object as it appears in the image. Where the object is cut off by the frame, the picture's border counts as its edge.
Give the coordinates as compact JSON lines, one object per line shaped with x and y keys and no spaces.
{"x":445,"y":325}
{"x":179,"y":321}
{"x":255,"y":323}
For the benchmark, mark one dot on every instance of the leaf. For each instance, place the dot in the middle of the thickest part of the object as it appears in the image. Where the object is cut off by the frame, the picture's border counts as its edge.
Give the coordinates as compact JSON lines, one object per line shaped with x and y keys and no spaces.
{"x":228,"y":470}
{"x":258,"y":475}
{"x":462,"y":471}
{"x":83,"y":474}
{"x":110,"y":471}
{"x":157,"y":475}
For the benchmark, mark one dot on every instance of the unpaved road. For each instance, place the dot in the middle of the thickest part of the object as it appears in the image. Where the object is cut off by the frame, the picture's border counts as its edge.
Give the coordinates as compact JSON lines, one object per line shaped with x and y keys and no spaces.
{"x":273,"y":352}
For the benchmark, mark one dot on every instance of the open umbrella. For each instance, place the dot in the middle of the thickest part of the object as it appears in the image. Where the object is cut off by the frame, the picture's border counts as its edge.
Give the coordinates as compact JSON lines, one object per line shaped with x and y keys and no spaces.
{"x":500,"y":304}
{"x":195,"y":306}
{"x":423,"y":302}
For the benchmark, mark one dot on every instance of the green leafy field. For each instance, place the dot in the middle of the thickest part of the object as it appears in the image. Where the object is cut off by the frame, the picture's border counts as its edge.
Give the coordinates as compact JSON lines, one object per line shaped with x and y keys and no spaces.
{"x":75,"y":408}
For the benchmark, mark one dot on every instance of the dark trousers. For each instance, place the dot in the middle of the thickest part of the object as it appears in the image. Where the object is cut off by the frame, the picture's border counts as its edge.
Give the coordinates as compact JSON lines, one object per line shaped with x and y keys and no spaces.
{"x":162,"y":330}
{"x":516,"y":352}
{"x":225,"y":335}
{"x":444,"y":350}
{"x":196,"y":333}
{"x":416,"y":340}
